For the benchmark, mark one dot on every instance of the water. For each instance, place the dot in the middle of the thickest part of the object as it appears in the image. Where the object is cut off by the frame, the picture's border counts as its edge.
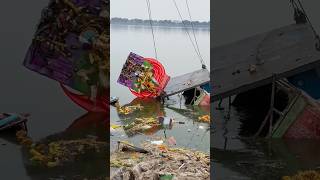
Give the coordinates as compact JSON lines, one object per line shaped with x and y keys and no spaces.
{"x":239,"y":157}
{"x":24,"y":91}
{"x":176,"y":54}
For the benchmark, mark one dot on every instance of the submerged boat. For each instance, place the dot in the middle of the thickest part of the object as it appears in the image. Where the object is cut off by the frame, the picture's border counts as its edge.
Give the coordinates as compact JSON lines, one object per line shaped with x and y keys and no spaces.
{"x":300,"y":119}
{"x":295,"y":114}
{"x":308,"y":81}
{"x":287,"y":58}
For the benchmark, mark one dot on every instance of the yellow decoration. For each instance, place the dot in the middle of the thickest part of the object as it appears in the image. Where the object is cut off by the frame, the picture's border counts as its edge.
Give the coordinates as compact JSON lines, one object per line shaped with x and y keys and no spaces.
{"x":205,"y":118}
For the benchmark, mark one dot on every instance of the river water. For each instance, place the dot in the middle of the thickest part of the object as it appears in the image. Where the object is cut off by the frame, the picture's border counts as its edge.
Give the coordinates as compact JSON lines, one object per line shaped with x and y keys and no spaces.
{"x":176,"y":53}
{"x":238,"y":157}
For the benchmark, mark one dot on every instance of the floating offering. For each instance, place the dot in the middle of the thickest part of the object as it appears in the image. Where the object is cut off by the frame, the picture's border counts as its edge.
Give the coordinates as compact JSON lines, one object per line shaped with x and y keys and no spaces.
{"x":145,"y":77}
{"x":71,"y":46}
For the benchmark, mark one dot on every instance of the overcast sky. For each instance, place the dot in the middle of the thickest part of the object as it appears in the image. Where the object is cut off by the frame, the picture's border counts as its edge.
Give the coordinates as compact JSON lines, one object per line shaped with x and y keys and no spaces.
{"x":161,"y":9}
{"x":234,"y":19}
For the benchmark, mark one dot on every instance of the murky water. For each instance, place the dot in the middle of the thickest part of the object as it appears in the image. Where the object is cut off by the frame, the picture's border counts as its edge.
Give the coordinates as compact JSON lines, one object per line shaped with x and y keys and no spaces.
{"x":175,"y":52}
{"x":237,"y":157}
{"x":52,"y":113}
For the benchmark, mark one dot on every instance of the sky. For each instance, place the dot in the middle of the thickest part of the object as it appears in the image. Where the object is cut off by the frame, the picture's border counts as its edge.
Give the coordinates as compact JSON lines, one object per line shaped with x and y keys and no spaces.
{"x":161,"y":9}
{"x":234,"y":20}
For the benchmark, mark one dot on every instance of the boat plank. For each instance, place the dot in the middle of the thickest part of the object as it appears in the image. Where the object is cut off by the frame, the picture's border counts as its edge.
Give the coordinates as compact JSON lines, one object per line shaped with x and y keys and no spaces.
{"x":187,"y":81}
{"x":289,"y":118}
{"x":232,"y":73}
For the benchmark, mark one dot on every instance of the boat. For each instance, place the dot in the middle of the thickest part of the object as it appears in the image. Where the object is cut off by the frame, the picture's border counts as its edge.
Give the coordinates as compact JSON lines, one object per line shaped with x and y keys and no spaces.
{"x":286,"y":52}
{"x":8,"y":120}
{"x":306,"y":81}
{"x":275,"y":76}
{"x":300,"y":119}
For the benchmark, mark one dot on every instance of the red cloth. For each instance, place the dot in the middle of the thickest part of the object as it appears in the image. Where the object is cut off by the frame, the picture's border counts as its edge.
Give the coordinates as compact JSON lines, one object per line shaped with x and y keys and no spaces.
{"x":159,"y":74}
{"x":101,"y":105}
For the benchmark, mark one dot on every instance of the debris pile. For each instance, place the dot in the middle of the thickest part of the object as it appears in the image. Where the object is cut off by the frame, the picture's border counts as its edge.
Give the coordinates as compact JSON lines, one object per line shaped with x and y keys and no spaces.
{"x":57,"y":153}
{"x":159,"y":162}
{"x":303,"y":175}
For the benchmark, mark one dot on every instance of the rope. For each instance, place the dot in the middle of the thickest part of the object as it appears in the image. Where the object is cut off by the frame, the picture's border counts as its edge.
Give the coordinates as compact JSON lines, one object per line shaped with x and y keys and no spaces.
{"x":296,"y":6}
{"x":194,"y":34}
{"x":151,"y":25}
{"x":185,"y":27}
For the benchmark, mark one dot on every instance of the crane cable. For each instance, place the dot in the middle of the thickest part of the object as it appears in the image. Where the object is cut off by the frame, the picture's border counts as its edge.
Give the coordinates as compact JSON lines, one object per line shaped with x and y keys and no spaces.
{"x":194,"y":34}
{"x":151,"y":25}
{"x":299,"y":8}
{"x":193,"y":44}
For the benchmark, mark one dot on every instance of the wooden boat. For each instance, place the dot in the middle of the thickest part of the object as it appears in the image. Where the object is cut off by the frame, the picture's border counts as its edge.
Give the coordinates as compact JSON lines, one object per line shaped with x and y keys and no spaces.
{"x":187,"y":81}
{"x":286,"y":52}
{"x":301,"y":120}
{"x":291,"y":52}
{"x":12,"y":120}
{"x":296,"y":115}
{"x":308,"y":81}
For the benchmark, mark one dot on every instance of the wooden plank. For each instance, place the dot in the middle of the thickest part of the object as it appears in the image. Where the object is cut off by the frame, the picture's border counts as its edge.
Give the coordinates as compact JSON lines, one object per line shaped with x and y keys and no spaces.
{"x":187,"y":81}
{"x":285,"y":52}
{"x":290,"y":118}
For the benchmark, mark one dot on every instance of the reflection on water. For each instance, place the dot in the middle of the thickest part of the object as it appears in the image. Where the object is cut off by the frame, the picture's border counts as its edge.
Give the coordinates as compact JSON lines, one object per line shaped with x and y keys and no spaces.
{"x":236,"y":157}
{"x":162,"y":28}
{"x":91,"y":164}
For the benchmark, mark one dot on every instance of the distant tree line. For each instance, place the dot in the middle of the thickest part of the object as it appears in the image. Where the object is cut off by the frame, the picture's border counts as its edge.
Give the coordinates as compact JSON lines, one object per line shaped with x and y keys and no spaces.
{"x":126,"y":21}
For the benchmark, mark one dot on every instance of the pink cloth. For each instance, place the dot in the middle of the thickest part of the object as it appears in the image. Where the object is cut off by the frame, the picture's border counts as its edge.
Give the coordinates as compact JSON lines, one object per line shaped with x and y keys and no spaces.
{"x":205,"y":101}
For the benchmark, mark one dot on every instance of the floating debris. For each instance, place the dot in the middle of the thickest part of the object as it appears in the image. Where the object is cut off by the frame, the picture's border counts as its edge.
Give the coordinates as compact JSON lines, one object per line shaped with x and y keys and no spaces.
{"x":161,"y":162}
{"x":115,"y":126}
{"x":127,"y":109}
{"x":57,"y":153}
{"x":165,"y":122}
{"x":204,"y":118}
{"x":141,"y":125}
{"x":114,"y":100}
{"x":172,"y":141}
{"x":157,"y":142}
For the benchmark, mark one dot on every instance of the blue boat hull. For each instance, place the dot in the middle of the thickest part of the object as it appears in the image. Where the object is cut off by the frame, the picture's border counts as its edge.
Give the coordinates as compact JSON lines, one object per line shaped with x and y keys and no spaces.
{"x":206,"y":87}
{"x":308,"y":81}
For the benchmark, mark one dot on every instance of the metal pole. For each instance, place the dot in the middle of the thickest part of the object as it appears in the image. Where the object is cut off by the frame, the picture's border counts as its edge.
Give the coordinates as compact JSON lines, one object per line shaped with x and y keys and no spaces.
{"x":229,"y":108}
{"x":219,"y":105}
{"x":272,"y":103}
